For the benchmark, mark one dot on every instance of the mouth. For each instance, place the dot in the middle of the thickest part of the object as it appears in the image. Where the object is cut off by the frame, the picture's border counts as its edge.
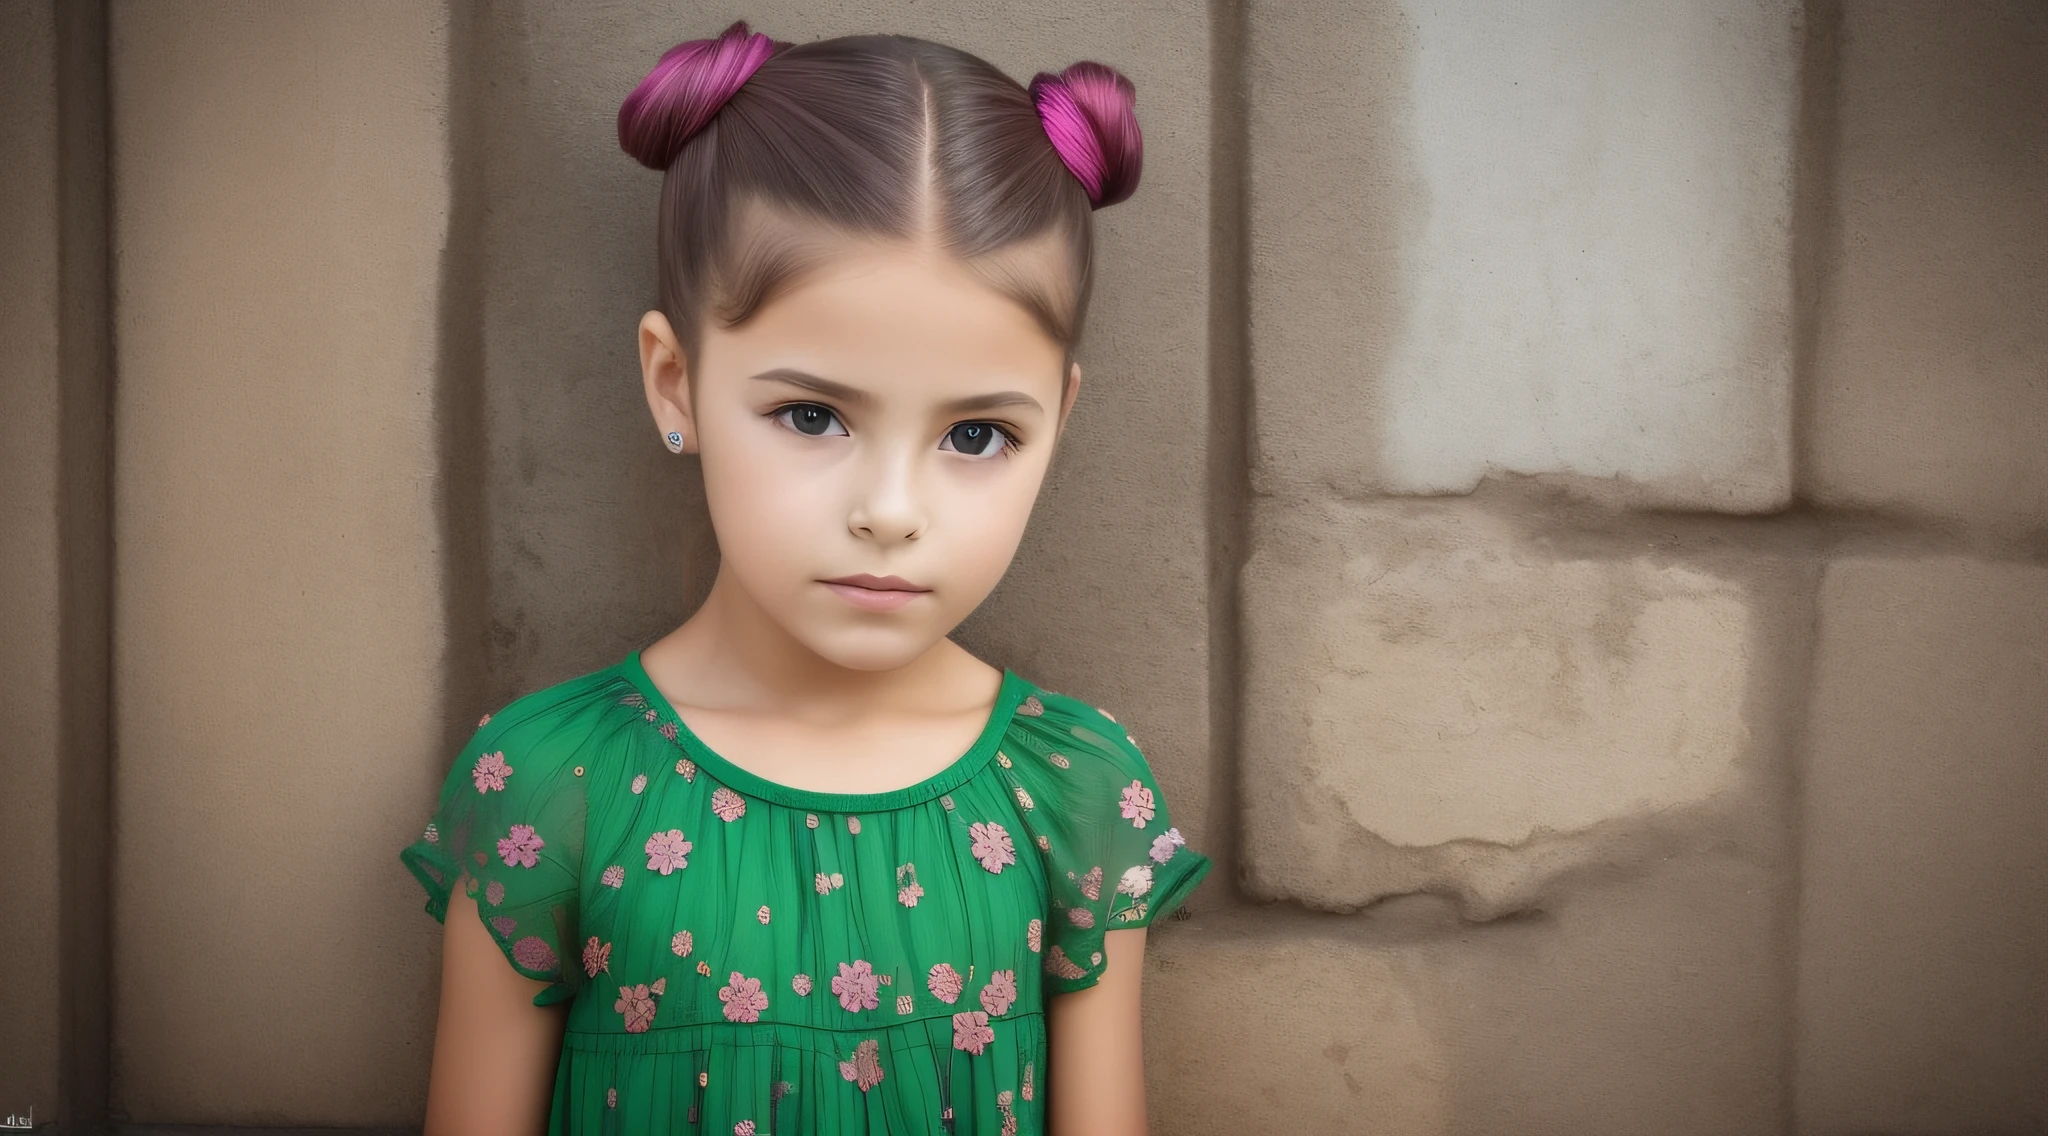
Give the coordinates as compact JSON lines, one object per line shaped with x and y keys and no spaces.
{"x":875,"y":593}
{"x":878,"y":583}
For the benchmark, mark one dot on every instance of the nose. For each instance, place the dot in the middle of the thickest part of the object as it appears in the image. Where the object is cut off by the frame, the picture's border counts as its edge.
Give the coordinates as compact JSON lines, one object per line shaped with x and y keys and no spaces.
{"x":887,"y":505}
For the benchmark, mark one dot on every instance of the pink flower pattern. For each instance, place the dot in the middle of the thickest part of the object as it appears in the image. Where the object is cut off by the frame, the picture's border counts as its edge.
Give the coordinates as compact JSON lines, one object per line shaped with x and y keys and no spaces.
{"x":1166,"y":844}
{"x":534,"y":953}
{"x":614,"y":876}
{"x":865,"y":1069}
{"x":518,"y":849}
{"x":1000,"y":992}
{"x":743,"y":1128}
{"x":971,"y":1031}
{"x":491,"y":771}
{"x":1057,"y":963}
{"x":856,"y":985}
{"x":743,"y":997}
{"x":946,"y":983}
{"x":483,"y":721}
{"x":668,"y":852}
{"x":729,"y":806}
{"x":637,"y":1004}
{"x":1137,"y":804}
{"x":596,"y":957}
{"x":991,"y":845}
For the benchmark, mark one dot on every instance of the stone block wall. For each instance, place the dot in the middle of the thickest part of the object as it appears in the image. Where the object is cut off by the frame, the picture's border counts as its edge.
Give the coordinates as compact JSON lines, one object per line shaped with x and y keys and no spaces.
{"x":1560,"y":496}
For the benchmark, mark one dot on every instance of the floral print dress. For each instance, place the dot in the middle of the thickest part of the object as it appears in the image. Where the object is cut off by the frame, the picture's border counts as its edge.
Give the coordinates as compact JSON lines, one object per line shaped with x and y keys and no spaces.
{"x":745,"y":957}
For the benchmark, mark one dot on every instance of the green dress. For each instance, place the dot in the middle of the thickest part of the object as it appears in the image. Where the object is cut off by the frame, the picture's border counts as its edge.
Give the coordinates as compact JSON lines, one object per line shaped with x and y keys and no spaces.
{"x":745,"y":957}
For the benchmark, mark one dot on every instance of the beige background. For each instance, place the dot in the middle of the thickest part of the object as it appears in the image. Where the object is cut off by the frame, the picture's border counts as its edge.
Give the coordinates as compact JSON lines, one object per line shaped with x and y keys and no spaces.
{"x":1562,"y":496}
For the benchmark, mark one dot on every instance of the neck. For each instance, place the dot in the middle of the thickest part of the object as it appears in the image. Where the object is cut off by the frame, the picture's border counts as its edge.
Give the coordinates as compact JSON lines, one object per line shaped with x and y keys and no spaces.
{"x":731,"y":653}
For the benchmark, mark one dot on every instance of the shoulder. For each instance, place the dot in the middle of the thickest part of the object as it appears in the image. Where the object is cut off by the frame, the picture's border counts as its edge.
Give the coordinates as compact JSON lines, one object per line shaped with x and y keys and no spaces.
{"x":1079,"y":740}
{"x":553,"y":728}
{"x":586,"y":700}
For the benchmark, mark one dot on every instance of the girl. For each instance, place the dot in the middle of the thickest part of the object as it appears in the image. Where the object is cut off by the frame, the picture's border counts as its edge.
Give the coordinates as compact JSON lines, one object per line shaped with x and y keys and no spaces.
{"x":804,"y":865}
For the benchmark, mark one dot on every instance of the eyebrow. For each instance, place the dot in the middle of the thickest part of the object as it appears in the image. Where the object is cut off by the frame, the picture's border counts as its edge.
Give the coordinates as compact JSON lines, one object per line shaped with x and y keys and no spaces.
{"x":856,"y":397}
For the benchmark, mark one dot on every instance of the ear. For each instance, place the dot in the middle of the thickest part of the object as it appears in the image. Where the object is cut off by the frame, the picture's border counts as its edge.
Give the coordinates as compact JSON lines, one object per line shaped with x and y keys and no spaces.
{"x":666,"y":377}
{"x":1068,"y":393}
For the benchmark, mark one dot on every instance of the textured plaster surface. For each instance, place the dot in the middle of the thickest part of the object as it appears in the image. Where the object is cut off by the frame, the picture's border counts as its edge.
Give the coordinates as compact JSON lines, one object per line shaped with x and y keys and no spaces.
{"x":1548,"y":238}
{"x":1650,"y":1000}
{"x":1931,"y":363}
{"x":1435,"y":695}
{"x":281,"y":189}
{"x":29,"y":552}
{"x":1923,"y":999}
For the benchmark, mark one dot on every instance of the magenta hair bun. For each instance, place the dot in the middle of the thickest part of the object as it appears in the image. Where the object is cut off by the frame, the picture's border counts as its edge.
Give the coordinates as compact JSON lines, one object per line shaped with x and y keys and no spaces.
{"x":1090,"y":113}
{"x":686,"y":88}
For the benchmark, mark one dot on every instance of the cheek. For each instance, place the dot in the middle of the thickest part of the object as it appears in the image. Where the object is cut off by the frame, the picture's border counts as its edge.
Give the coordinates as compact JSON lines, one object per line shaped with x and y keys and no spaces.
{"x":984,"y":519}
{"x":765,"y":508}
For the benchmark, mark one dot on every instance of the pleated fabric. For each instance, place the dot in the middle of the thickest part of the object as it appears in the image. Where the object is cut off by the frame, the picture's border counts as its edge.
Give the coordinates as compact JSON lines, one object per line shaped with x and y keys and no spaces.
{"x":745,"y":957}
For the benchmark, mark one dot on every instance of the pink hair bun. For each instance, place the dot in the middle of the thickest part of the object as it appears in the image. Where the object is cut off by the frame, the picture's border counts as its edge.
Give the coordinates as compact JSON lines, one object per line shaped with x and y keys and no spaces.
{"x":686,"y":89}
{"x":1089,"y":112}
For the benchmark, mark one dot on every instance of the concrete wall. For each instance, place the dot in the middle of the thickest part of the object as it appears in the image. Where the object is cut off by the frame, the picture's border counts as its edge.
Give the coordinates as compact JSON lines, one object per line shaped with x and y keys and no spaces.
{"x":55,"y":733}
{"x":31,"y":552}
{"x":280,"y":210}
{"x":1560,"y":493}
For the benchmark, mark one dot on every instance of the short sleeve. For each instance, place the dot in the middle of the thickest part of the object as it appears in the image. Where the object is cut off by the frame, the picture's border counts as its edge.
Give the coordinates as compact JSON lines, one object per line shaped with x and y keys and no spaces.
{"x":1113,"y":856}
{"x":509,"y":827}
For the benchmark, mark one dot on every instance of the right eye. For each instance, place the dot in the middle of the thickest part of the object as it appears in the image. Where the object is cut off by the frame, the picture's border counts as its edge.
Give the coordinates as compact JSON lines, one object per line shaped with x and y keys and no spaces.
{"x":809,"y":418}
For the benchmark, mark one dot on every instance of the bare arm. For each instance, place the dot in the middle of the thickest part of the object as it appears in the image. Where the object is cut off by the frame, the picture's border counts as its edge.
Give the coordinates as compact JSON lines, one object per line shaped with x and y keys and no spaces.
{"x":1096,"y":1085}
{"x":494,"y":1050}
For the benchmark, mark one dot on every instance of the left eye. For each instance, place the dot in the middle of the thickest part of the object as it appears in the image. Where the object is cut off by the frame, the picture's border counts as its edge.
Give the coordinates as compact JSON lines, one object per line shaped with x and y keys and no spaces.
{"x":977,"y":439}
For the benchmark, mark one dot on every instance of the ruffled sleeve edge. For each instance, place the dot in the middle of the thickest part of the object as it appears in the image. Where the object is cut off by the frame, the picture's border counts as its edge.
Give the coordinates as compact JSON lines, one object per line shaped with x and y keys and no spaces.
{"x":426,"y":860}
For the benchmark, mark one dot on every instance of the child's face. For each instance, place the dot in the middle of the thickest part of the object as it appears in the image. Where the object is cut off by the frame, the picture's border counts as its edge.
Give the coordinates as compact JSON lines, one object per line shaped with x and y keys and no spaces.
{"x":890,"y":415}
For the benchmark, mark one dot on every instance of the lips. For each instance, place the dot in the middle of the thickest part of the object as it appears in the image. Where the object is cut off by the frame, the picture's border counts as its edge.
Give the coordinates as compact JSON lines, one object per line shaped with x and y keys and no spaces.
{"x":878,"y":583}
{"x":879,"y":594}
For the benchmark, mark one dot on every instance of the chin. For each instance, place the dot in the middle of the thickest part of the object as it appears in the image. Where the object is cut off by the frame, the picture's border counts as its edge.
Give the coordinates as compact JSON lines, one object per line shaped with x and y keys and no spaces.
{"x":869,"y":650}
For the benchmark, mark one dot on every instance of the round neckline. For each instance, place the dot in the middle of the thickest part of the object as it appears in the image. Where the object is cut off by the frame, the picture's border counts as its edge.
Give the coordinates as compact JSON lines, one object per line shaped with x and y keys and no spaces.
{"x":1008,"y":697}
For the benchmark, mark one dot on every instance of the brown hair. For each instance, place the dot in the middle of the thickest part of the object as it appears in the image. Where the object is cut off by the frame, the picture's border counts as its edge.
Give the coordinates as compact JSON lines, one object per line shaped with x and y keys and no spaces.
{"x":773,"y":152}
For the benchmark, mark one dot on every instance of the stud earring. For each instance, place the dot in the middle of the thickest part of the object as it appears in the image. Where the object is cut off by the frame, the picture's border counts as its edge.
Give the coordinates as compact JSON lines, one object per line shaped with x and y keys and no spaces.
{"x":675,"y":442}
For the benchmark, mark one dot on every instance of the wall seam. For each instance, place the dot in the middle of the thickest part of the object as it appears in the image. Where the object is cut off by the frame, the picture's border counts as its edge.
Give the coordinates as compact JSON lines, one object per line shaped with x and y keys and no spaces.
{"x":459,"y":394}
{"x":85,"y":535}
{"x":1815,"y":235}
{"x":1230,"y":409}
